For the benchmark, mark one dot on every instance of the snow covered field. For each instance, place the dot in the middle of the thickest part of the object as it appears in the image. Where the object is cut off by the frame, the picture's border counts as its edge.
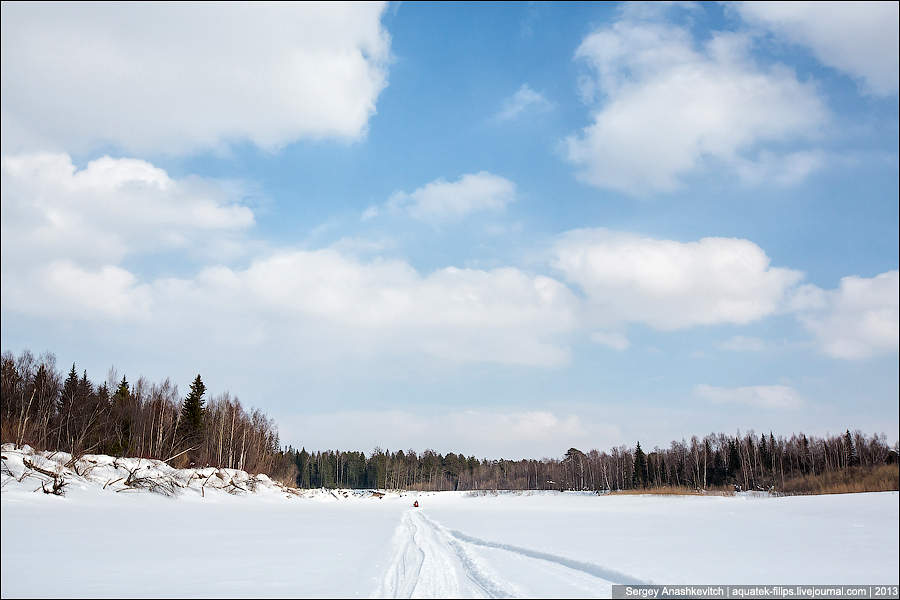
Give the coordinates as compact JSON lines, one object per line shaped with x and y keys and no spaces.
{"x":130,"y":542}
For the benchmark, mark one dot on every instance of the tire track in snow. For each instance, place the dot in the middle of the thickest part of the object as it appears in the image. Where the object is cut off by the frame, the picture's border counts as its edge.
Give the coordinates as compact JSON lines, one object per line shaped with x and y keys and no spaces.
{"x":428,"y":562}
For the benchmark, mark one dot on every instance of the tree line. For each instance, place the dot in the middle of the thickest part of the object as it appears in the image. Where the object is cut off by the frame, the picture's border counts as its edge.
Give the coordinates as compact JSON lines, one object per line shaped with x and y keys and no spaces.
{"x":47,"y":410}
{"x":747,"y":462}
{"x":43,"y":408}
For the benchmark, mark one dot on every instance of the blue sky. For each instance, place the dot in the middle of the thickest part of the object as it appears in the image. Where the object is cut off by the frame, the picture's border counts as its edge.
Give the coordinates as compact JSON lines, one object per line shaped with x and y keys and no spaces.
{"x":503,"y":229}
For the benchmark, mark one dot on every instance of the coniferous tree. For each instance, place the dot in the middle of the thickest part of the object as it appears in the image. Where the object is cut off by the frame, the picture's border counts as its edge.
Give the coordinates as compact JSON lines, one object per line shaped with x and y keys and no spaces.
{"x":121,"y":420}
{"x":734,"y":461}
{"x":192,"y":413}
{"x":303,"y":466}
{"x":122,"y":393}
{"x":639,"y":474}
{"x":85,"y":388}
{"x":69,"y":392}
{"x":852,"y":458}
{"x":64,"y":405}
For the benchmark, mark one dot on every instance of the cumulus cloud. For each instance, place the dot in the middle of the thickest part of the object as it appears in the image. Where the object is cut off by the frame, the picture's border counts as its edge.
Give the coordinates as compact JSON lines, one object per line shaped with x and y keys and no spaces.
{"x":63,"y":289}
{"x":669,"y":105}
{"x":524,"y":100}
{"x":669,"y":284}
{"x":857,"y":320}
{"x":447,"y":201}
{"x":68,"y":234}
{"x":860,"y":39}
{"x":110,"y":209}
{"x":175,"y":78}
{"x":758,"y":396}
{"x":465,"y":315}
{"x":74,"y":241}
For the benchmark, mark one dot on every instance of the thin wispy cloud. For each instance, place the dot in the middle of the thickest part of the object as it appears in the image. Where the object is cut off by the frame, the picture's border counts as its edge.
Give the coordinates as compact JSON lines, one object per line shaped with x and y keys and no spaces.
{"x":443,"y":201}
{"x":743,"y":343}
{"x":524,"y":101}
{"x":772,"y":397}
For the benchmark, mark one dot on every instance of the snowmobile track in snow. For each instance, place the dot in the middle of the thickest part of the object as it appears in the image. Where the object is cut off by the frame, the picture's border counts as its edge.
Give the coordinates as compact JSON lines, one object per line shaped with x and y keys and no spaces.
{"x":430,"y":561}
{"x":585,"y":567}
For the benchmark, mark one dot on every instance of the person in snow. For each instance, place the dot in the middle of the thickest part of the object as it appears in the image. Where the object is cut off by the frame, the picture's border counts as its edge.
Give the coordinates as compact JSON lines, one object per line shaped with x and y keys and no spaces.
{"x":416,"y":504}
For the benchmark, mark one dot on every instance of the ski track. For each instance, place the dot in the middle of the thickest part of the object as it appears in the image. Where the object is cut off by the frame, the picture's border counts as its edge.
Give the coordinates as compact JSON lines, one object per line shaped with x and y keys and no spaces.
{"x":431,"y":561}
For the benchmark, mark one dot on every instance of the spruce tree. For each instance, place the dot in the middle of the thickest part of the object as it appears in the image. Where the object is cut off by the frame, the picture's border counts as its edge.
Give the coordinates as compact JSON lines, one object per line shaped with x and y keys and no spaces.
{"x":734,"y":461}
{"x":192,"y":412}
{"x":121,"y":418}
{"x":303,"y":479}
{"x":85,"y":391}
{"x":639,"y":475}
{"x":122,"y":393}
{"x":69,"y":392}
{"x":852,"y":458}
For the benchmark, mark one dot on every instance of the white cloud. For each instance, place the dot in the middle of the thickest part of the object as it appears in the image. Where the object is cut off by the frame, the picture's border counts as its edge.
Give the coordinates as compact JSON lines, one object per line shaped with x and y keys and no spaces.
{"x":616,"y":341}
{"x":65,"y":231}
{"x":175,"y":78}
{"x":741,"y":343}
{"x":858,"y":320}
{"x":465,"y":315}
{"x":74,"y":242}
{"x":672,"y":285}
{"x":64,"y":289}
{"x":447,"y":201}
{"x":759,"y":396}
{"x":483,"y":433}
{"x":66,"y":234}
{"x":671,"y":106}
{"x":859,"y":38}
{"x":524,"y":100}
{"x":110,"y":209}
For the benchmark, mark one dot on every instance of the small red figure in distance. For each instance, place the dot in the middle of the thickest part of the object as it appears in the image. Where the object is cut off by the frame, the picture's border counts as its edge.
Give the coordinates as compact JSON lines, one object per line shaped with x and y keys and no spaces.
{"x":416,"y":504}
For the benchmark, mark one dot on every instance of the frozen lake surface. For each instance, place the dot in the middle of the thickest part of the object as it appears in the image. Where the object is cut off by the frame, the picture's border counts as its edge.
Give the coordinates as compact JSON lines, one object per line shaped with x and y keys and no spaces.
{"x":99,"y":542}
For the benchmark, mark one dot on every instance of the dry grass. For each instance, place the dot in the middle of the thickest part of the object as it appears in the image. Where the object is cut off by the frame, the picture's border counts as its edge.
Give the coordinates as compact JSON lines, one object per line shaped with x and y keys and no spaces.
{"x":674,"y":491}
{"x":883,"y":478}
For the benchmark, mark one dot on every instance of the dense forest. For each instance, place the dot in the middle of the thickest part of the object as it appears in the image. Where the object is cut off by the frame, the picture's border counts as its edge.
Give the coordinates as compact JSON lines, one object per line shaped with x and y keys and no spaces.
{"x":47,"y":410}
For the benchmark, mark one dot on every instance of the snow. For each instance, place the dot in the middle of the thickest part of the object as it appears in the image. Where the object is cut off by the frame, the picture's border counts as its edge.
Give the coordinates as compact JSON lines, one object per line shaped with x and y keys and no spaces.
{"x":257,"y":538}
{"x":834,"y":539}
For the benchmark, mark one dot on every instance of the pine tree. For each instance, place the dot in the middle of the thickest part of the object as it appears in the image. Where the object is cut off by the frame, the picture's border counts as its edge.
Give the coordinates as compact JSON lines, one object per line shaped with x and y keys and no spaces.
{"x":192,"y":412}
